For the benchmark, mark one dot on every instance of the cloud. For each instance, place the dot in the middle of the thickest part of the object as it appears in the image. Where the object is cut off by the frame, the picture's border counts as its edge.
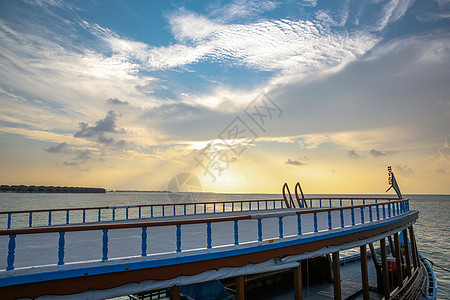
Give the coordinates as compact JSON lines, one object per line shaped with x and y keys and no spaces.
{"x":98,"y":30}
{"x":377,"y":153}
{"x":83,"y":156}
{"x":292,"y":46}
{"x":392,"y":11}
{"x":311,"y":3}
{"x":282,"y":45}
{"x":110,"y":141}
{"x":242,"y":9}
{"x":294,"y":162}
{"x":441,"y":171}
{"x":102,"y":130}
{"x":45,"y":3}
{"x":105,"y":140}
{"x":105,"y":125}
{"x":150,"y":86}
{"x":176,"y":111}
{"x":404,"y":169}
{"x":115,"y":101}
{"x":353,"y":154}
{"x":60,"y":148}
{"x":444,"y":151}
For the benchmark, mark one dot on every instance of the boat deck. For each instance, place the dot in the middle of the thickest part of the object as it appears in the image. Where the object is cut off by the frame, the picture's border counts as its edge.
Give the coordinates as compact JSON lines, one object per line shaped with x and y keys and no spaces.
{"x":125,"y":243}
{"x":221,"y":241}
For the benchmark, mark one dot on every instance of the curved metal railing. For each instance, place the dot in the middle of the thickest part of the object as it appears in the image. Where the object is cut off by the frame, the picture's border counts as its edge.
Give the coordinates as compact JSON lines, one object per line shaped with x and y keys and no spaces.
{"x":308,"y":221}
{"x":66,"y":216}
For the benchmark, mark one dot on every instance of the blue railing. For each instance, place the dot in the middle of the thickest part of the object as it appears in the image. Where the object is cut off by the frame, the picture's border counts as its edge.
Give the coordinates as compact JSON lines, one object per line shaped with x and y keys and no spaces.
{"x":291,"y":223}
{"x":39,"y":218}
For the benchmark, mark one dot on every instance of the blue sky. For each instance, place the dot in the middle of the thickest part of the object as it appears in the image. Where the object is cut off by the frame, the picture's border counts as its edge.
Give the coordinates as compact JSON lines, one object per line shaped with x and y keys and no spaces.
{"x":127,"y":94}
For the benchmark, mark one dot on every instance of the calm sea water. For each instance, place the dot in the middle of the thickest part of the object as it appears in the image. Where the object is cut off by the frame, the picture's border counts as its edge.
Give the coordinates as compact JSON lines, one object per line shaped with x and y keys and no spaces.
{"x":432,"y":229}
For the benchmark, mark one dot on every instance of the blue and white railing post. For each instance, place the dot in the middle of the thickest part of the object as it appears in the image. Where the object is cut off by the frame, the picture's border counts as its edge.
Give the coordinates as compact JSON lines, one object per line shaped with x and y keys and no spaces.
{"x":280,"y":227}
{"x":315,"y":222}
{"x":105,"y":245}
{"x":61,"y":244}
{"x":178,"y":238}
{"x":208,"y":235}
{"x":236,"y":232}
{"x":144,"y":241}
{"x":11,"y":252}
{"x":259,"y":230}
{"x":330,"y":225}
{"x":362,"y":215}
{"x":299,"y":224}
{"x":353,"y":214}
{"x":9,"y":221}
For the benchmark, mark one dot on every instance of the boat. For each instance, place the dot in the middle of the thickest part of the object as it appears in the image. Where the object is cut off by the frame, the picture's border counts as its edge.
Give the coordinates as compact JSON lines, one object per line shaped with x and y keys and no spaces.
{"x":292,"y":247}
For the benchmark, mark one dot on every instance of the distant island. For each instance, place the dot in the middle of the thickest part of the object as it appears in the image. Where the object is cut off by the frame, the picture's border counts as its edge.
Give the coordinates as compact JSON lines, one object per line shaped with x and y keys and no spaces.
{"x":48,"y":189}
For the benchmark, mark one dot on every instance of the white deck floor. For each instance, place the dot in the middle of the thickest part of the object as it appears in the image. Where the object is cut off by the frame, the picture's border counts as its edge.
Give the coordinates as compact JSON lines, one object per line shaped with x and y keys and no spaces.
{"x":42,"y":249}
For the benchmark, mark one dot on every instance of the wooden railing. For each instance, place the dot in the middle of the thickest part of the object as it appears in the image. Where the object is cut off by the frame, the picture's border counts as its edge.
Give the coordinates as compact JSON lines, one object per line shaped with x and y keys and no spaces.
{"x":381,"y":208}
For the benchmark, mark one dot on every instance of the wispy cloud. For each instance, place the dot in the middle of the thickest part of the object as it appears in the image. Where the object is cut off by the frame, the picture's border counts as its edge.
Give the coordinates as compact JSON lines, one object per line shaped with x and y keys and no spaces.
{"x":269,"y":45}
{"x":60,"y":148}
{"x":377,"y":153}
{"x":353,"y":154}
{"x":404,"y":169}
{"x":392,"y":11}
{"x":242,"y":9}
{"x":294,"y":162}
{"x":115,"y":101}
{"x":284,"y":45}
{"x":444,"y":151}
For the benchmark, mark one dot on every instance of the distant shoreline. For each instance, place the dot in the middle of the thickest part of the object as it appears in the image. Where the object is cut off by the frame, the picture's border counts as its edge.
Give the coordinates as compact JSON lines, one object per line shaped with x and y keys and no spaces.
{"x":50,"y":189}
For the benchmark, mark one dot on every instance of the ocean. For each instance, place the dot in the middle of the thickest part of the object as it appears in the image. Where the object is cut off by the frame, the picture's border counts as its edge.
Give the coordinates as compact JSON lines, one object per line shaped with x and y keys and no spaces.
{"x":432,"y":228}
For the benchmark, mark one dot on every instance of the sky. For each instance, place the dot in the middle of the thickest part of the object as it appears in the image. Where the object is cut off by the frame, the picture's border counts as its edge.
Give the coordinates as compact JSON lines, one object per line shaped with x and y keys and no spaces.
{"x":241,"y":96}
